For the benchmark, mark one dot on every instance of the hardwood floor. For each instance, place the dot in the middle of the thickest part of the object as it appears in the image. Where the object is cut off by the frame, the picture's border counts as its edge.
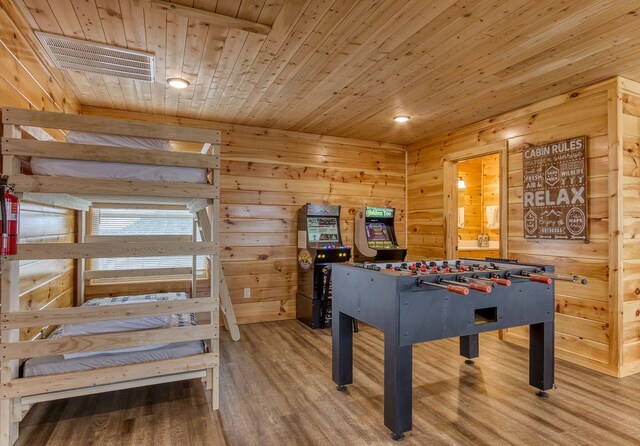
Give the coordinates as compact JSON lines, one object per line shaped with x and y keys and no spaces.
{"x":277,"y":390}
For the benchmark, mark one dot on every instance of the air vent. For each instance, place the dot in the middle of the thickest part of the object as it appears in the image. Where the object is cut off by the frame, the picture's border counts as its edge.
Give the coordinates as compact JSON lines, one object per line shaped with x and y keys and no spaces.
{"x":80,"y":55}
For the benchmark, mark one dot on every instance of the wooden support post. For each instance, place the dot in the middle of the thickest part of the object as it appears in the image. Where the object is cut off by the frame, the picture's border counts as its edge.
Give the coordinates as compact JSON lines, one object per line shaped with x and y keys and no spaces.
{"x":80,"y":263}
{"x":194,"y":262}
{"x":9,"y":302}
{"x":10,"y":163}
{"x":9,"y":298}
{"x":226,"y":305}
{"x":214,"y":261}
{"x":214,"y":236}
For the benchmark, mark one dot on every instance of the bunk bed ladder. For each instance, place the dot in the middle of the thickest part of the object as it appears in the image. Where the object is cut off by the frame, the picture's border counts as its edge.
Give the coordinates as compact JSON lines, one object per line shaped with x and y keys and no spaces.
{"x":226,"y":306}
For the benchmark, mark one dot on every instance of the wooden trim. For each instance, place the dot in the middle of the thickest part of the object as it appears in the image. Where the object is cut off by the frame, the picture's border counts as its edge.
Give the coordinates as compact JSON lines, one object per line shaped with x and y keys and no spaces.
{"x":504,"y":201}
{"x":105,"y":341}
{"x":129,"y":273}
{"x":65,"y":381}
{"x":74,"y":315}
{"x":84,"y":123}
{"x":36,"y":251}
{"x":58,"y":200}
{"x":616,"y":224}
{"x":136,"y":238}
{"x":90,"y":152}
{"x":92,"y":186}
{"x":450,"y":209}
{"x":51,"y":396}
{"x":211,"y":17}
{"x":450,"y":175}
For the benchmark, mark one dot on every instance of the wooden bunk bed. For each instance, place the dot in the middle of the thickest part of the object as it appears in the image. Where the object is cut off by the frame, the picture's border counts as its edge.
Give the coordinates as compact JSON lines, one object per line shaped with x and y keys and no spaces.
{"x":18,"y":394}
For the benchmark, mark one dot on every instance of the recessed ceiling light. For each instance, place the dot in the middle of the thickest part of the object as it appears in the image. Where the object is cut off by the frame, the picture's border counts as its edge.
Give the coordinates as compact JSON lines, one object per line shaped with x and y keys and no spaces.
{"x":177,"y":82}
{"x":401,"y":118}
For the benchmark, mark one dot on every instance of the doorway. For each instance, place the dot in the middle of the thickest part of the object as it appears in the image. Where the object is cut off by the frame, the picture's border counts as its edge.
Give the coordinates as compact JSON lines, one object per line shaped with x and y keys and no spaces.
{"x":478,"y":225}
{"x":477,"y":203}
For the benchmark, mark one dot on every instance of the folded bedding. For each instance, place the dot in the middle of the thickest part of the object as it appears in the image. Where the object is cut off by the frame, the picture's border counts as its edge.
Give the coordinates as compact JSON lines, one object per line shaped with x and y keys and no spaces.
{"x":131,"y":355}
{"x":106,"y":139}
{"x":117,"y":171}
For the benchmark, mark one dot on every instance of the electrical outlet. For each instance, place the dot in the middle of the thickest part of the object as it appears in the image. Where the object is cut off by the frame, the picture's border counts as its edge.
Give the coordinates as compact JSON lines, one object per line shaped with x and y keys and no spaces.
{"x":247,"y":293}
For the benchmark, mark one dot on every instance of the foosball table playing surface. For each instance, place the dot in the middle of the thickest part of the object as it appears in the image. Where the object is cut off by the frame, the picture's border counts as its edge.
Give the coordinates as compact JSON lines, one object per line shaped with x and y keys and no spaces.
{"x":415,"y":302}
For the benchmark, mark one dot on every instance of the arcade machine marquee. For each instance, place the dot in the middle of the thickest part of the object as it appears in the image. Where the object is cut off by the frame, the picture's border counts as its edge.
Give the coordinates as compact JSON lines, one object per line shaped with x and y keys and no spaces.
{"x":319,"y":246}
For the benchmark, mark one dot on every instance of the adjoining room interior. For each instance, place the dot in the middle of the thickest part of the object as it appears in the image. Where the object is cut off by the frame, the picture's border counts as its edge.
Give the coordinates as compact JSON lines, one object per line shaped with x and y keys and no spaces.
{"x":479,"y":207}
{"x":185,"y":182}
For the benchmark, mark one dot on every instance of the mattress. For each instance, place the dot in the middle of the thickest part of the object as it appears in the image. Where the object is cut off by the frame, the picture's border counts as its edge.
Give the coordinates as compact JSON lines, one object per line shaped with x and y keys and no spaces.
{"x":116,"y":171}
{"x":51,"y":365}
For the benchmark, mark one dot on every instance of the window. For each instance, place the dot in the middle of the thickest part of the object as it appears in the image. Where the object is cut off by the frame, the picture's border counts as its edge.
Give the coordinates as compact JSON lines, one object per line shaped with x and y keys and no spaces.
{"x":145,"y":222}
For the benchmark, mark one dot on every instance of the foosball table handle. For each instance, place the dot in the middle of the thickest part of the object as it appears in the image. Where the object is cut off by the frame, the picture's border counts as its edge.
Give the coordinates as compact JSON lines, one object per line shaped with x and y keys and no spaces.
{"x":499,"y":281}
{"x":480,"y":287}
{"x":541,"y":279}
{"x":458,"y":289}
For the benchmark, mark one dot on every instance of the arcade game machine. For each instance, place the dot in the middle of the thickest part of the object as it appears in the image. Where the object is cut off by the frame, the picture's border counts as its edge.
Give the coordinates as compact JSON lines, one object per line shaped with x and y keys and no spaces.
{"x":319,"y":245}
{"x":375,"y":238}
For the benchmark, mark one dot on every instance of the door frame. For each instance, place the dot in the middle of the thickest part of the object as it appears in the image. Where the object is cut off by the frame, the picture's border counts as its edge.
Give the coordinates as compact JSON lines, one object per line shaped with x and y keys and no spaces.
{"x":450,"y":179}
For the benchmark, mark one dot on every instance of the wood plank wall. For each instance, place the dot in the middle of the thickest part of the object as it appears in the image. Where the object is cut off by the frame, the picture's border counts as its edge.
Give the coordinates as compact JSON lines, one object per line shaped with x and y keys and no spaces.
{"x":46,"y":283}
{"x":267,"y":175}
{"x":630,"y":92}
{"x":585,"y":314}
{"x":490,"y":191}
{"x":471,"y":198}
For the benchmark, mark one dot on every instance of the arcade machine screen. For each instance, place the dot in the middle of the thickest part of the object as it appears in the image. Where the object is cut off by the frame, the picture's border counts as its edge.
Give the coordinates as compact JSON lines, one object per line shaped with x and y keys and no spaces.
{"x":323,"y":230}
{"x":377,"y":232}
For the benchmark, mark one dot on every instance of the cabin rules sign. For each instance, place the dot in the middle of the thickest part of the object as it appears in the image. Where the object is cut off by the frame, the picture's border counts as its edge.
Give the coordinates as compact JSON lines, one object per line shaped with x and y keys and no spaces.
{"x":555,"y":190}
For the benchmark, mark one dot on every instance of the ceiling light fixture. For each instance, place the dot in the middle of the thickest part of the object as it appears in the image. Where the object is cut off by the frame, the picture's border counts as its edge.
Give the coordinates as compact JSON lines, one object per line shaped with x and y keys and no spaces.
{"x":461,"y":184}
{"x":177,"y":82}
{"x":401,"y":118}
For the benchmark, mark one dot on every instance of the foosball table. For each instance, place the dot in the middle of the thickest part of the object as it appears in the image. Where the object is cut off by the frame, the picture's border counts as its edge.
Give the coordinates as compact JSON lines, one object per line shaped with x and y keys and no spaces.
{"x":422,"y":301}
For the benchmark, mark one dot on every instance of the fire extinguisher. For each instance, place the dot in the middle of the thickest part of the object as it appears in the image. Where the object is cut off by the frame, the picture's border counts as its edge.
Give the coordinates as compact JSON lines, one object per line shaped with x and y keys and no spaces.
{"x":10,"y":209}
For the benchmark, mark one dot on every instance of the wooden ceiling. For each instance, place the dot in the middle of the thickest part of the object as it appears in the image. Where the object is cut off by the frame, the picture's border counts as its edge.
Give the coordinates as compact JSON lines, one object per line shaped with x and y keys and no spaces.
{"x":346,"y":67}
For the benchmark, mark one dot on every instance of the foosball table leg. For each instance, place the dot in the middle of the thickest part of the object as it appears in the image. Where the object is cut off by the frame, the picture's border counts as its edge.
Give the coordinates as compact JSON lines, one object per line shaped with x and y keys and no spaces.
{"x":469,"y":348}
{"x":541,"y":356}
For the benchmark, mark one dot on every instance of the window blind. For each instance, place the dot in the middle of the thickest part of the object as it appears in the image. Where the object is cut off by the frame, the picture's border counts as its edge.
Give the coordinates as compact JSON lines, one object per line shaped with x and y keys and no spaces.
{"x":124,"y":222}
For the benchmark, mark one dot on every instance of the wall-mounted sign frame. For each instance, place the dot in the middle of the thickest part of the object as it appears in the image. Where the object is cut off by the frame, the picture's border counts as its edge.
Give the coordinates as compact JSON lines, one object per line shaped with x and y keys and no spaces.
{"x":554,"y":192}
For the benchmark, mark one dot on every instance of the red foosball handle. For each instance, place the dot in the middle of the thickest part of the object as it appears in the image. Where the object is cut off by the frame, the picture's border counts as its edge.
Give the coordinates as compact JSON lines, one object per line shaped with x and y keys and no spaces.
{"x":504,"y":282}
{"x":480,"y":287}
{"x":458,"y":289}
{"x":541,"y":279}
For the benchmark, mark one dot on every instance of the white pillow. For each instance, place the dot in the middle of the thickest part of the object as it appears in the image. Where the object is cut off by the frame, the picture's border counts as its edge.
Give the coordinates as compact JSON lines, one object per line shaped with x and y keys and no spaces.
{"x":106,"y":139}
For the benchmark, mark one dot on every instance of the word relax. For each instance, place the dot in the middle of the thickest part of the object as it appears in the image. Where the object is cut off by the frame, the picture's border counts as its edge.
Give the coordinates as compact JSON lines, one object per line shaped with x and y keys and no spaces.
{"x":544,"y":198}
